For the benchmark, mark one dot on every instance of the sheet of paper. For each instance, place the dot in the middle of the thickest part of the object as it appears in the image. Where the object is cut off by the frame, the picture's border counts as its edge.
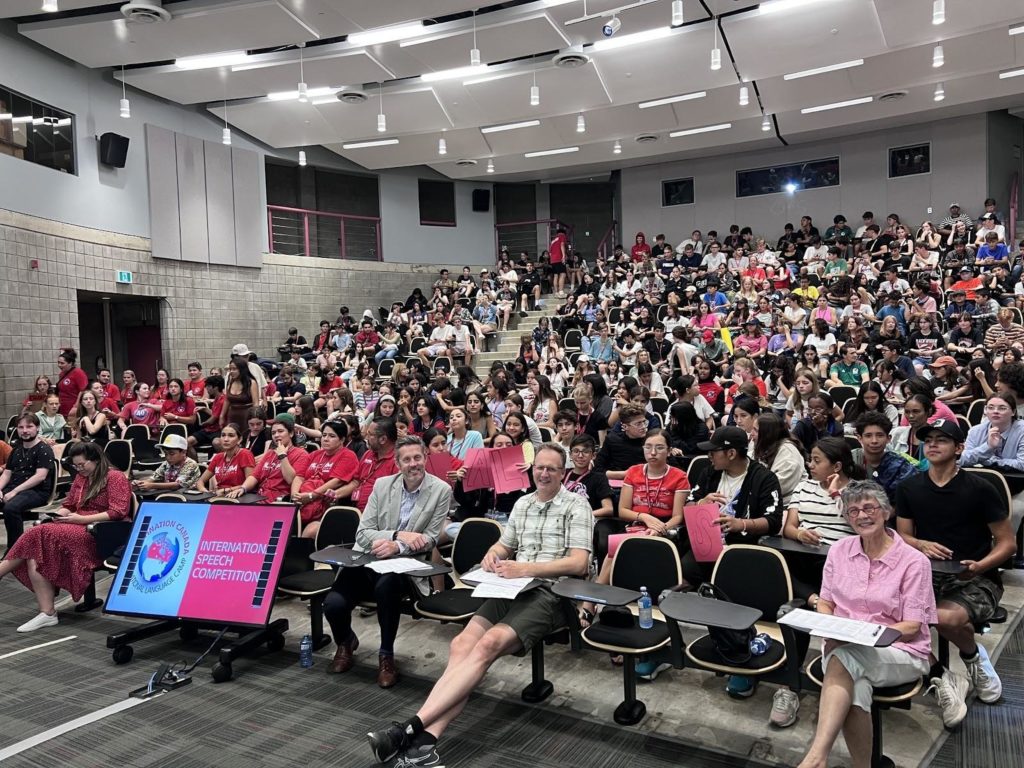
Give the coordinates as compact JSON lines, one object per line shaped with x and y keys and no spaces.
{"x":504,"y":471}
{"x":480,"y":576}
{"x":705,"y":536}
{"x":504,"y":591}
{"x":396,"y":565}
{"x":438,"y":465}
{"x":834,"y":627}
{"x":616,"y":483}
{"x":478,"y":470}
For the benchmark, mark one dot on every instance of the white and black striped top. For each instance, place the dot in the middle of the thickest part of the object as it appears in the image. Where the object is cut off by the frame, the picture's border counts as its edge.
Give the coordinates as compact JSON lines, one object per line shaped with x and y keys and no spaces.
{"x":819,"y":512}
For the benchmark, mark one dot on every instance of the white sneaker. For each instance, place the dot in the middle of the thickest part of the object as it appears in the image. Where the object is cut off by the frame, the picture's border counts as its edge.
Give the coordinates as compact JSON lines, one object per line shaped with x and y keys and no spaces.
{"x":951,"y":692}
{"x":40,"y":621}
{"x":983,"y":677}
{"x":785,"y":705}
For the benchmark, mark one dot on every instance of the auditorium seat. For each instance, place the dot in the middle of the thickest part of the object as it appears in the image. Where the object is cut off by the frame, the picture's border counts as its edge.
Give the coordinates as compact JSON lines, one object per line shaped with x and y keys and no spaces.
{"x":457,"y":604}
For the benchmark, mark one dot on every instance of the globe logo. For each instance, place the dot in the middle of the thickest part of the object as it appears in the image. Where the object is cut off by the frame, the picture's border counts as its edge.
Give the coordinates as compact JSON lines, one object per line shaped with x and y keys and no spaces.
{"x":159,"y":554}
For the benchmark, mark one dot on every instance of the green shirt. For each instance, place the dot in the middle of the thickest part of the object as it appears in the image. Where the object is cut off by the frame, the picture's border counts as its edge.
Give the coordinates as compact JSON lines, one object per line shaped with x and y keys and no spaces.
{"x":849,"y":374}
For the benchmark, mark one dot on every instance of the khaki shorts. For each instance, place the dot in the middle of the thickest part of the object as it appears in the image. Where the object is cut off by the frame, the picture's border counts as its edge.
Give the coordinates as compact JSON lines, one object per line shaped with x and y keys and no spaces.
{"x":533,"y":615}
{"x":979,"y":596}
{"x":873,"y":668}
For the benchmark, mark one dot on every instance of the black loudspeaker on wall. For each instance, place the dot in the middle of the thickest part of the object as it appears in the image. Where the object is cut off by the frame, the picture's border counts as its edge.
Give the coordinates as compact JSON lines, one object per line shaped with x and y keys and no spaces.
{"x":481,"y":200}
{"x":113,"y":150}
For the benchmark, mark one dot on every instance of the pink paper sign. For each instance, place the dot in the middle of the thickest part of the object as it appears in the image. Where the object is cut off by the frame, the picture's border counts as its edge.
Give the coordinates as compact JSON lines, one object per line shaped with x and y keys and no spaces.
{"x":704,"y":533}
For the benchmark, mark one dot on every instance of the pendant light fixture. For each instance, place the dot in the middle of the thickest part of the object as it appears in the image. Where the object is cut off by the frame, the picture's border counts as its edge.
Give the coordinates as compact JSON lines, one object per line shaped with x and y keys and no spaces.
{"x":581,"y":124}
{"x":617,"y":147}
{"x":50,"y":6}
{"x":716,"y":52}
{"x":938,"y":12}
{"x":744,"y":95}
{"x":766,"y":123}
{"x":303,"y":90}
{"x":474,"y":52}
{"x":382,"y":121}
{"x":442,"y":146}
{"x":490,"y":166}
{"x":126,"y":109}
{"x":302,"y":158}
{"x":940,"y":92}
{"x":225,"y":135}
{"x":938,"y":56}
{"x":535,"y":90}
{"x":677,"y":12}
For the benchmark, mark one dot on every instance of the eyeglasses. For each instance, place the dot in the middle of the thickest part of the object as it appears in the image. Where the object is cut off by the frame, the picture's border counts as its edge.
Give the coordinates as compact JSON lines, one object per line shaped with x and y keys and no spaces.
{"x":542,"y":469}
{"x":870,"y":510}
{"x":655,"y":448}
{"x":638,"y":425}
{"x":79,"y":465}
{"x":579,"y":451}
{"x":997,"y":408}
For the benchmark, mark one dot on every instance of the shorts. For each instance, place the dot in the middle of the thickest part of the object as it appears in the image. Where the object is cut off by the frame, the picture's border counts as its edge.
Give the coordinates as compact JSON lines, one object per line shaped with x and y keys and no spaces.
{"x":204,"y":438}
{"x":557,"y":268}
{"x":979,"y":596}
{"x":459,"y":349}
{"x":873,"y":668}
{"x":436,"y":349}
{"x":533,"y":615}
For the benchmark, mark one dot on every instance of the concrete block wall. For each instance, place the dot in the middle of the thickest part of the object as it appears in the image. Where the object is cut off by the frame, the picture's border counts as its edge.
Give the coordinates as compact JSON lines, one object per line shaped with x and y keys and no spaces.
{"x":207,"y":310}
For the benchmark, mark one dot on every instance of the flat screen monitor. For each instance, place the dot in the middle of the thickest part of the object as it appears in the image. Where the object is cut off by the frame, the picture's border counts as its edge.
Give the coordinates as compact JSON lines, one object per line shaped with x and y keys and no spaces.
{"x":213,"y":563}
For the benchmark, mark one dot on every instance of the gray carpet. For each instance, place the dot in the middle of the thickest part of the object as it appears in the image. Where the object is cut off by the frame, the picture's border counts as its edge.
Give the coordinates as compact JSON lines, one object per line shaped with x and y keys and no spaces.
{"x":274,"y":713}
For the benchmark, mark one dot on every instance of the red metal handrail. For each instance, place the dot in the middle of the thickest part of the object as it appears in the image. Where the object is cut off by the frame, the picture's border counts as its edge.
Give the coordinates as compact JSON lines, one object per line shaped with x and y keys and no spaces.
{"x":552,"y":224}
{"x":607,"y":243}
{"x":1014,"y":201}
{"x":306,"y":217}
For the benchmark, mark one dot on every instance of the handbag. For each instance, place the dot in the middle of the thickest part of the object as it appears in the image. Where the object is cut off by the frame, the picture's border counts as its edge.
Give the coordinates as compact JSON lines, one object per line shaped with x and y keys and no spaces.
{"x":733,"y":645}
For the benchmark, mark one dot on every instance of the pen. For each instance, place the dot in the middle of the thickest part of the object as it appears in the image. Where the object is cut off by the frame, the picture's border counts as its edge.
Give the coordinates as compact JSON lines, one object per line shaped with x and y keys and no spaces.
{"x":588,"y":599}
{"x":878,"y":629}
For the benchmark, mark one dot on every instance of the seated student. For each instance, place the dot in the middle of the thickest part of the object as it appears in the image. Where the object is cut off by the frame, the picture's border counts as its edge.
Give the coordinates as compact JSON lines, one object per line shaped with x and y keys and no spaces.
{"x":685,"y":430}
{"x":229,"y":468}
{"x":588,"y":420}
{"x":460,"y":438}
{"x":882,"y":465}
{"x":307,"y":423}
{"x":27,"y":477}
{"x":288,"y":388}
{"x":917,"y":411}
{"x":820,"y":422}
{"x":948,"y":514}
{"x":565,"y":430}
{"x":378,"y":461}
{"x":899,"y":597}
{"x":626,"y":449}
{"x":776,"y":449}
{"x":91,"y":421}
{"x":256,"y":436}
{"x":848,"y":370}
{"x":329,"y":468}
{"x":998,"y":441}
{"x":140,"y":411}
{"x":177,"y":407}
{"x":404,"y":515}
{"x":437,"y":343}
{"x":208,"y":431}
{"x":62,"y":554}
{"x":279,"y":466}
{"x":548,"y":536}
{"x":177,"y":472}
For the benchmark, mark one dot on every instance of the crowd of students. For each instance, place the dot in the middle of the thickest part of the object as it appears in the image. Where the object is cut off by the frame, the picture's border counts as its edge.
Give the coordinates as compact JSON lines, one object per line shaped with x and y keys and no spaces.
{"x":770,"y":359}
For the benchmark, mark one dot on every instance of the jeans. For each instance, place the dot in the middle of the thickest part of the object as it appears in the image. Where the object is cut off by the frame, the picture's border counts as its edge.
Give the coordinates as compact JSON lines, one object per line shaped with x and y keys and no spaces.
{"x":15,"y":509}
{"x":388,"y":354}
{"x":361,"y":584}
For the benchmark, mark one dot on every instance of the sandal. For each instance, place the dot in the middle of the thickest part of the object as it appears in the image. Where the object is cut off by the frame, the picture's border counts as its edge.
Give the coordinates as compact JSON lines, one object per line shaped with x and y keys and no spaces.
{"x":617,"y":660}
{"x":586,"y":618}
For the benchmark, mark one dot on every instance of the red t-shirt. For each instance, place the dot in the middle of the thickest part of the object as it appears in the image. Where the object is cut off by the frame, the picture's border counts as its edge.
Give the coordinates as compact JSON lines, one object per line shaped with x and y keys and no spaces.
{"x":111,"y":391}
{"x":558,"y":248}
{"x":68,"y":388}
{"x":184,"y":409}
{"x":326,"y":386}
{"x":340,"y":465}
{"x":214,"y":424}
{"x":109,"y":404}
{"x":762,"y":389}
{"x":370,"y":469}
{"x":158,"y":394}
{"x":127,"y":395}
{"x":142,"y":413}
{"x":655,"y":497}
{"x":710,"y":390}
{"x":230,"y":474}
{"x":640,"y":251}
{"x":272,"y":485}
{"x":196,"y":388}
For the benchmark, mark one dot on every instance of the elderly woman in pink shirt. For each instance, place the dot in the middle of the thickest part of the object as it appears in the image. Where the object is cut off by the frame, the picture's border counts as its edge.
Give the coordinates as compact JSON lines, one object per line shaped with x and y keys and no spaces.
{"x":873,"y":576}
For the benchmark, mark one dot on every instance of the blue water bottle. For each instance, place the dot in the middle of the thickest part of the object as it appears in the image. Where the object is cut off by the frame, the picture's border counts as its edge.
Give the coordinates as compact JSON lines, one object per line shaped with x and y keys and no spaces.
{"x":646,"y":613}
{"x":306,"y":652}
{"x":760,"y":644}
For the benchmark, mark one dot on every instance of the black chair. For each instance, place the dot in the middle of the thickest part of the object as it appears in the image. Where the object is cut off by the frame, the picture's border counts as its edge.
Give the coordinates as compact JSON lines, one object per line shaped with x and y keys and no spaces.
{"x":852,"y":441}
{"x":145,"y":454}
{"x":660,"y":405}
{"x":641,"y":561}
{"x":841,"y":393}
{"x":110,"y":537}
{"x":120,"y":454}
{"x":457,"y":604}
{"x":416,"y":344}
{"x":442,"y":364}
{"x":172,"y":498}
{"x":975,"y":412}
{"x":758,"y":578}
{"x":12,"y":427}
{"x":573,"y":338}
{"x":385,"y":368}
{"x":567,"y":404}
{"x":697,"y":467}
{"x":893,"y":697}
{"x":299,"y":576}
{"x":964,"y":423}
{"x":174,"y":429}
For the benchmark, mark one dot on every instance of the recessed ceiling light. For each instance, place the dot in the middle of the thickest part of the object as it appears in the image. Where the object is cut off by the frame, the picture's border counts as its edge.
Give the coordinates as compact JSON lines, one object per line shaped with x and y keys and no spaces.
{"x":672,"y":99}
{"x":388,"y":34}
{"x":208,"y":61}
{"x":367,"y":144}
{"x":611,"y":43}
{"x":302,"y":158}
{"x":822,"y":70}
{"x":836,"y":105}
{"x":452,"y":74}
{"x":546,"y":152}
{"x":509,"y":126}
{"x":1011,"y":73}
{"x":702,"y":129}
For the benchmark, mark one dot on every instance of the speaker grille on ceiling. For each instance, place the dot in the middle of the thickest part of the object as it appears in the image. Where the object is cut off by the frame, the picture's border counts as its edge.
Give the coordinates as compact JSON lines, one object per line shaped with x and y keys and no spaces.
{"x":145,"y":11}
{"x":573,"y":58}
{"x":352,"y":97}
{"x":893,"y":96}
{"x":465,"y":162}
{"x":646,"y":138}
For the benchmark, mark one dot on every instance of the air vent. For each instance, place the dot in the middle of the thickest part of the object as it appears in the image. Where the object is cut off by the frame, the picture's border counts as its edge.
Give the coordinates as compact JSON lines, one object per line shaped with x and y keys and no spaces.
{"x":646,"y":138}
{"x":894,"y":96}
{"x":465,"y":163}
{"x":572,"y":58}
{"x":145,"y":11}
{"x":352,"y":97}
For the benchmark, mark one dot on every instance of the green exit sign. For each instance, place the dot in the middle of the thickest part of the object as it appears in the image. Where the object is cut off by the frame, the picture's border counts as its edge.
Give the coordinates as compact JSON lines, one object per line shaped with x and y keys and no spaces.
{"x":125,"y":277}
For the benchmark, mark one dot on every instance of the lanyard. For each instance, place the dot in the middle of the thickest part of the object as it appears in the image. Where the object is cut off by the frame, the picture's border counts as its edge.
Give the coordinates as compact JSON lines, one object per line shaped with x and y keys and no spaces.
{"x":653,"y":500}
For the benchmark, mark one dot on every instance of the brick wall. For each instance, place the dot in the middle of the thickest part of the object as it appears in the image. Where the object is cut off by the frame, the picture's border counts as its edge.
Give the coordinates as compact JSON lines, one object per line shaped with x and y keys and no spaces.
{"x":207,"y":310}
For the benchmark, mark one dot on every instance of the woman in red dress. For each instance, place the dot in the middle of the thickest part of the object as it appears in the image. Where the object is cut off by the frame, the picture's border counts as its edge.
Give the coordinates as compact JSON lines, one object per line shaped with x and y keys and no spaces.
{"x":62,"y":555}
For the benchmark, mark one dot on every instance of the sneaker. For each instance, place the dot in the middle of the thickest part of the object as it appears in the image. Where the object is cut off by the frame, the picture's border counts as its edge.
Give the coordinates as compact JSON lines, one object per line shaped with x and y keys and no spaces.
{"x":522,"y":314}
{"x":649,"y":670}
{"x":984,"y":678}
{"x":388,"y":742}
{"x":950,"y":691}
{"x":785,"y":705}
{"x":41,"y":620}
{"x":740,"y":687}
{"x":425,"y":755}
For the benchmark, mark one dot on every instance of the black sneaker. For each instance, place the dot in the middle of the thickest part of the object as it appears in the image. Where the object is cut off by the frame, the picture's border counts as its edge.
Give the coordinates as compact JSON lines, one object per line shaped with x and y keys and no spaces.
{"x":388,"y":742}
{"x":522,"y":314}
{"x":425,"y":755}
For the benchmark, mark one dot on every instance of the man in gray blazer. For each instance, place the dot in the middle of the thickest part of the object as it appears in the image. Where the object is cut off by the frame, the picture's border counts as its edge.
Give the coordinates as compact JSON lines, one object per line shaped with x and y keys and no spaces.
{"x":403,"y":517}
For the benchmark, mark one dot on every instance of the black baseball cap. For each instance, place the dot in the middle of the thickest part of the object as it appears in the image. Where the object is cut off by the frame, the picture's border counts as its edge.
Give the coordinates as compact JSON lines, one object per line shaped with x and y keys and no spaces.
{"x":948,"y":427}
{"x":726,"y":437}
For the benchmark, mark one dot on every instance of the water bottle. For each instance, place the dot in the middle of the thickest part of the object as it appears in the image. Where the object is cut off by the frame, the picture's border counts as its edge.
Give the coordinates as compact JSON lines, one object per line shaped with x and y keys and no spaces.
{"x":729,"y":510}
{"x":646,"y":613}
{"x":760,"y":644}
{"x":306,"y":652}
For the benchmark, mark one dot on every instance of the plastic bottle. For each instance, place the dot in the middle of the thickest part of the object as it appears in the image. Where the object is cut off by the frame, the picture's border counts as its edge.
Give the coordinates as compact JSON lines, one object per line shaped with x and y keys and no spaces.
{"x":306,"y":652}
{"x":759,"y":644}
{"x":730,"y":511}
{"x":646,"y":612}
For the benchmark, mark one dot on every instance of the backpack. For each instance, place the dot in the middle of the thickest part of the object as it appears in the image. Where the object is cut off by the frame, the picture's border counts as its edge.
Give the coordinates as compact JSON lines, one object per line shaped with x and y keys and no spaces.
{"x":731,"y":644}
